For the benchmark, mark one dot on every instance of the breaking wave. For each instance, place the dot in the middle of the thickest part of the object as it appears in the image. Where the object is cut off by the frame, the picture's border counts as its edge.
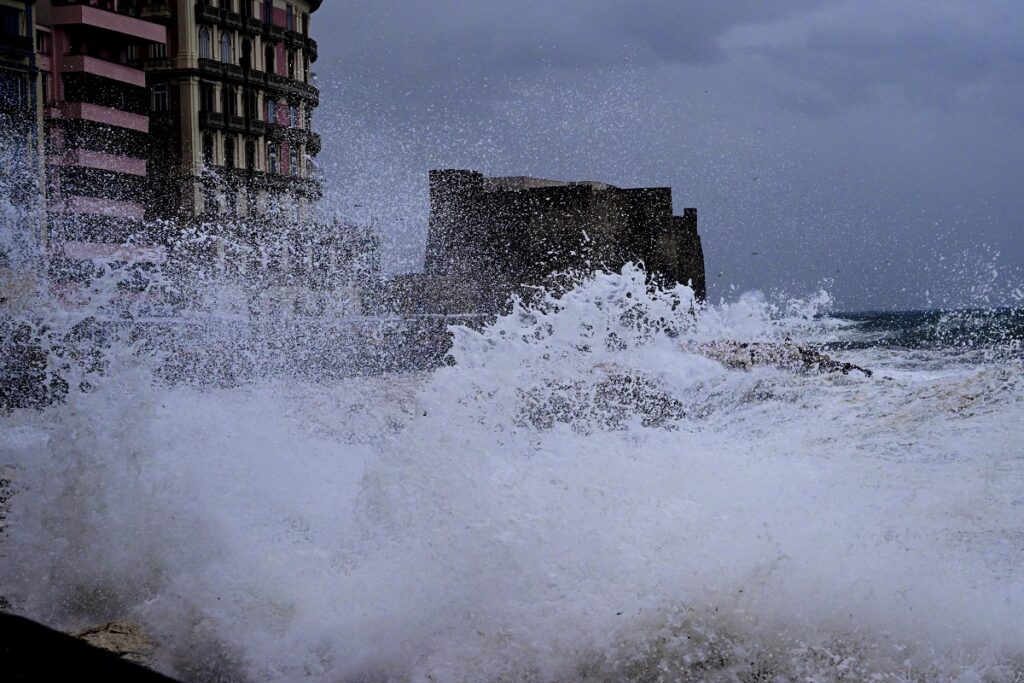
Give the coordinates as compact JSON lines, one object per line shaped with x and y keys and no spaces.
{"x":588,"y":492}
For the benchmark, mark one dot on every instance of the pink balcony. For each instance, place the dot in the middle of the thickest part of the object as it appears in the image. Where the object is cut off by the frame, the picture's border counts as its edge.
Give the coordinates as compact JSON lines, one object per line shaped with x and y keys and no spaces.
{"x":86,"y":251}
{"x":103,"y":161}
{"x":109,"y":21}
{"x":100,"y":207}
{"x":99,"y":114}
{"x":105,"y":69}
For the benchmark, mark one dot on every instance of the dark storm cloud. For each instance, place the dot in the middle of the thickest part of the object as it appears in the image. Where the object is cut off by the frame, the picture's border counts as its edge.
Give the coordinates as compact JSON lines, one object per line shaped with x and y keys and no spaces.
{"x":873,"y":143}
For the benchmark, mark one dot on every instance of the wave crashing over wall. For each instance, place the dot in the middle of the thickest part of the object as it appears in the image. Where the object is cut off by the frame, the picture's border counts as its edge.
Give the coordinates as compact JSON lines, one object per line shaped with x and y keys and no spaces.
{"x":583,"y":495}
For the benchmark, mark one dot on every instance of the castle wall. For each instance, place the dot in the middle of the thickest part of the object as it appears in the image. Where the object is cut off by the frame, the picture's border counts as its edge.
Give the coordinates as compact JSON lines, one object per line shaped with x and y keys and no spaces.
{"x":501,"y":236}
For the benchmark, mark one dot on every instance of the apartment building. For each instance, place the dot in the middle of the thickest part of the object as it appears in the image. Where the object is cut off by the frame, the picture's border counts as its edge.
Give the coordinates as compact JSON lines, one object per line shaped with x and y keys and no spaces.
{"x":231,"y":101}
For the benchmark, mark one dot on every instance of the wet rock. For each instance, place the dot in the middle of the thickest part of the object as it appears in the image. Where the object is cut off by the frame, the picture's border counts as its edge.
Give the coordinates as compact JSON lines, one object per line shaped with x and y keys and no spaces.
{"x":785,"y":356}
{"x":122,"y":638}
{"x":609,"y":402}
{"x":32,"y":652}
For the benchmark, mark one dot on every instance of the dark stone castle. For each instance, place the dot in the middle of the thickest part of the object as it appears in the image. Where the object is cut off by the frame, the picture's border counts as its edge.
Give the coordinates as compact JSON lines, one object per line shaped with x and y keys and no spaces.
{"x":490,"y":238}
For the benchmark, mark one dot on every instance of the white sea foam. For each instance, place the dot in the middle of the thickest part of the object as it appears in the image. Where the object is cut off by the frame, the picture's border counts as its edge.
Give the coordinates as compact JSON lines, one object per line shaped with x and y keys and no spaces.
{"x":428,"y":527}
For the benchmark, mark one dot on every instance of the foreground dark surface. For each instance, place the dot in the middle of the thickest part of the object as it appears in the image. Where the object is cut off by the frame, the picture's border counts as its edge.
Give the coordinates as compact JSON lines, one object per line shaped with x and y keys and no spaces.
{"x":32,"y":652}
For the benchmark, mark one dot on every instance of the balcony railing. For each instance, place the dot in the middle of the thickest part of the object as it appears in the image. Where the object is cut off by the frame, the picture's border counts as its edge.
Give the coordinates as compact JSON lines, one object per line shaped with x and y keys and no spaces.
{"x":252,"y":25}
{"x":273,"y":33}
{"x":257,"y":127}
{"x":155,"y":9}
{"x":231,"y":19}
{"x":211,"y":119}
{"x":313,"y":143}
{"x":294,"y":39}
{"x":211,"y":66}
{"x":275,"y":131}
{"x":312,"y":48}
{"x":207,"y":13}
{"x":236,"y":124}
{"x":233,"y":71}
{"x":154,"y":63}
{"x":278,"y":81}
{"x":16,"y":42}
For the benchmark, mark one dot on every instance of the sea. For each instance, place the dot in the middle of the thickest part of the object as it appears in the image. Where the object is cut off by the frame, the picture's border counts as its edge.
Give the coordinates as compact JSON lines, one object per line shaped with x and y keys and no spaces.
{"x":585,"y":491}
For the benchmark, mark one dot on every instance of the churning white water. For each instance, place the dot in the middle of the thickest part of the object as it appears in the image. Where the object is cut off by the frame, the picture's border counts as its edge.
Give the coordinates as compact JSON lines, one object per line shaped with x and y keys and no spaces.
{"x":581,"y":496}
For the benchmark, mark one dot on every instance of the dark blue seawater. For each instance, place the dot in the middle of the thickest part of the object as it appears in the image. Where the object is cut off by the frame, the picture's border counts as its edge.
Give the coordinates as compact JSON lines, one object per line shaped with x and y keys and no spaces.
{"x":1000,"y":330}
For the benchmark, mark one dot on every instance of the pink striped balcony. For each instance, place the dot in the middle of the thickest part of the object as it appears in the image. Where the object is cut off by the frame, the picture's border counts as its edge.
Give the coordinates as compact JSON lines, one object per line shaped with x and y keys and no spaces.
{"x":102,"y":161}
{"x":85,"y":251}
{"x":104,"y":69}
{"x":100,"y":207}
{"x":99,"y":114}
{"x":109,"y":21}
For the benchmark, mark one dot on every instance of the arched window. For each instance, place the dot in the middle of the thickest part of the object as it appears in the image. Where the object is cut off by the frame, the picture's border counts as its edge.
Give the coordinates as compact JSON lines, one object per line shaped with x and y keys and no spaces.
{"x":250,"y":104}
{"x":229,"y":152}
{"x":225,"y":47}
{"x":204,"y":43}
{"x":246,"y":62}
{"x":293,"y":162}
{"x":228,"y":101}
{"x":291,"y":64}
{"x":208,"y":149}
{"x":250,"y":156}
{"x":268,"y":59}
{"x":271,"y":111}
{"x":272,"y":158}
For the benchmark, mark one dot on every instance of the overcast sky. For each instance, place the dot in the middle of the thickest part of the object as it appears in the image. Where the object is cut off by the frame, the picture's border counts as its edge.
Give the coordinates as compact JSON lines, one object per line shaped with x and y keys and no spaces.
{"x":874,"y":147}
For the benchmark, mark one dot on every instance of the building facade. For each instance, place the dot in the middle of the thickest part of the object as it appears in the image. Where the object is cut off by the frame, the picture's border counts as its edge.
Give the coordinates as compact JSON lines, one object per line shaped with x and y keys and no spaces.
{"x":20,"y":121}
{"x":491,"y":237}
{"x":232,"y":100}
{"x":96,"y":111}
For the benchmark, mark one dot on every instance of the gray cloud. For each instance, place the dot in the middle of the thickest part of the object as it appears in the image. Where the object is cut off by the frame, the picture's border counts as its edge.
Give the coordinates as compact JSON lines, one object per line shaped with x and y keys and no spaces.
{"x":874,"y":144}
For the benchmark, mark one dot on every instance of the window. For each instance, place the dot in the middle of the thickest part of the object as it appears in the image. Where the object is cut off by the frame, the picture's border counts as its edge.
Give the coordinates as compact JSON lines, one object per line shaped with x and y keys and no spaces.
{"x":272,"y":158}
{"x":206,"y":97}
{"x":208,"y":149}
{"x":158,"y":97}
{"x":225,"y":48}
{"x":271,"y":111}
{"x":291,"y":64}
{"x":210,"y":200}
{"x":229,"y":152}
{"x":293,"y":162}
{"x":204,"y":43}
{"x":246,"y":61}
{"x":268,"y":11}
{"x":13,"y":89}
{"x":157,"y":50}
{"x":47,"y":87}
{"x":268,"y":59}
{"x":293,"y":116}
{"x":228,"y":101}
{"x":250,"y":155}
{"x":10,"y":21}
{"x":305,"y":68}
{"x":250,"y":105}
{"x":290,"y":18}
